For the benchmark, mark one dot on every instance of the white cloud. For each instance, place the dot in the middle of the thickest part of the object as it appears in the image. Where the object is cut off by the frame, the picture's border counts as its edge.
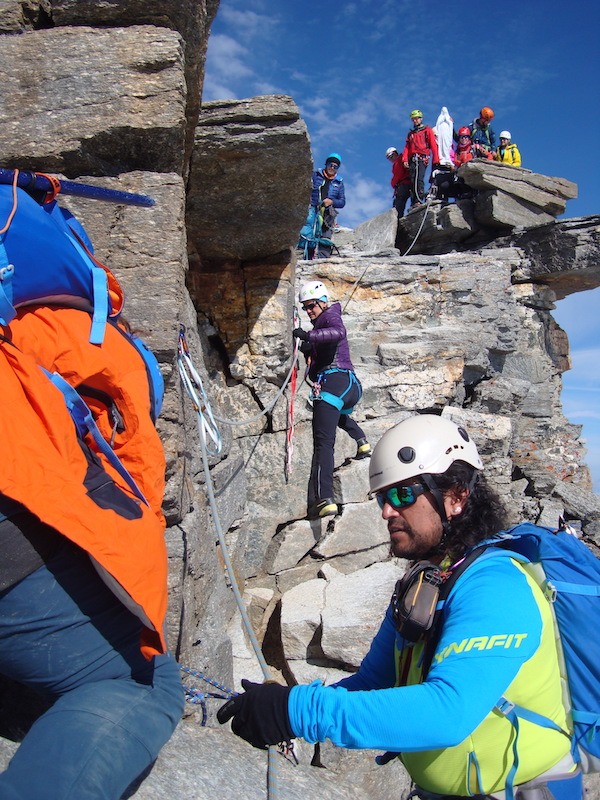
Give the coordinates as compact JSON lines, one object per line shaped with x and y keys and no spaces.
{"x":247,"y":24}
{"x":365,"y":198}
{"x":226,"y":60}
{"x":348,"y":113}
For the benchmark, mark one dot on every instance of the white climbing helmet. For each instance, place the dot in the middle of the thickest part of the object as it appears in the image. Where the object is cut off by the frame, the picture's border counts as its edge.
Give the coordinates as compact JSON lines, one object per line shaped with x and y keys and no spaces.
{"x":424,"y":444}
{"x":390,"y":151}
{"x":504,"y":135}
{"x":313,"y":290}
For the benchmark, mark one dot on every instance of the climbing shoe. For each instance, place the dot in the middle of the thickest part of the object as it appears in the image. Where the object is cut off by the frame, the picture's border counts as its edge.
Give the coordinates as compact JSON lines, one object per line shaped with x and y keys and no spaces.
{"x":363,"y":449}
{"x":326,"y":507}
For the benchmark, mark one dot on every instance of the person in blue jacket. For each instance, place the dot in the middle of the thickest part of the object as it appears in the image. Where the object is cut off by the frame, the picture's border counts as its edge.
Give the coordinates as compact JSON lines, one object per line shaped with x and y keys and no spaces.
{"x":328,"y":192}
{"x":335,"y":391}
{"x":496,"y":649}
{"x":482,"y":135}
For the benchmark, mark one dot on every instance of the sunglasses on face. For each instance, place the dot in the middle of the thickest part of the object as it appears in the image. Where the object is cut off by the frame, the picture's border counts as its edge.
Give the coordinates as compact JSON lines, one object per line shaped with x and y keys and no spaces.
{"x":400,"y":496}
{"x":332,"y":165}
{"x":309,"y":306}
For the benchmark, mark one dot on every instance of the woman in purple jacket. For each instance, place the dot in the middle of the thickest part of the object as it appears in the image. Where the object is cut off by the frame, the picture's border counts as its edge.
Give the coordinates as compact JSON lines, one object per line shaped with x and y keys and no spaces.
{"x":336,"y":390}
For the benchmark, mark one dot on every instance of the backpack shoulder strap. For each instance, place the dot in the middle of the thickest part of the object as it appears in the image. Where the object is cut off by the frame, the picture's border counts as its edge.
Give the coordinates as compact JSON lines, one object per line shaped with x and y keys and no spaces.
{"x":84,"y":422}
{"x":486,"y":549}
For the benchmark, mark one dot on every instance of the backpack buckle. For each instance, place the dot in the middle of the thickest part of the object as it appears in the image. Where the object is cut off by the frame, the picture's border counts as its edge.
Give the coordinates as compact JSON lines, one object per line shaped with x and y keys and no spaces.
{"x":550,"y":591}
{"x":505,"y":706}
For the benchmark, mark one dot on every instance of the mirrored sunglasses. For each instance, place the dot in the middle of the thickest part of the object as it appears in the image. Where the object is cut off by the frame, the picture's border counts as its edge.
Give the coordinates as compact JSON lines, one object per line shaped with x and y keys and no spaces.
{"x":332,"y":165}
{"x":400,"y":496}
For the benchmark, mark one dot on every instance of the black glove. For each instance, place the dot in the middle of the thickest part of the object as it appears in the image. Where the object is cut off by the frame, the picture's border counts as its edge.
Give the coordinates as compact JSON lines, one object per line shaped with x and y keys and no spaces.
{"x":260,"y":714}
{"x":300,"y":334}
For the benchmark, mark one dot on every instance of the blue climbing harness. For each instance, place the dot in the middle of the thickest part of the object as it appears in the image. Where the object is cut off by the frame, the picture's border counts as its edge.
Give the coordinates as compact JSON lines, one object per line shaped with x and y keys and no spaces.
{"x":333,"y":399}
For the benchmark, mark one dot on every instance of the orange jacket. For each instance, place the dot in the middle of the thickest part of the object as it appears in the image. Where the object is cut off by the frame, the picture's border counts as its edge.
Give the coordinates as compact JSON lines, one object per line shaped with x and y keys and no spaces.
{"x":44,"y":467}
{"x":58,"y":339}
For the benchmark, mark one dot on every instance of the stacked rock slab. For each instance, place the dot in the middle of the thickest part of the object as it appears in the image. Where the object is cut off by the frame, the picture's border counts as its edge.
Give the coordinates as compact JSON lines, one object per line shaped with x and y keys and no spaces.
{"x":507,"y":198}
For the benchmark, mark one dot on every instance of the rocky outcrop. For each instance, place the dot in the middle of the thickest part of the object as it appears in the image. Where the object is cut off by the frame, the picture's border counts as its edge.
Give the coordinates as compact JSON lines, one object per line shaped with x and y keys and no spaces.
{"x":190,"y":18}
{"x":251,"y":162}
{"x":551,"y":252}
{"x":100,"y":118}
{"x":539,"y":191}
{"x":504,"y":198}
{"x":463,"y":329}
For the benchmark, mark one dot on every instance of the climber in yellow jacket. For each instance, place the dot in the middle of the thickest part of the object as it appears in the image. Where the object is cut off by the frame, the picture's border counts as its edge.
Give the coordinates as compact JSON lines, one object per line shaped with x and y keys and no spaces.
{"x":507,"y":152}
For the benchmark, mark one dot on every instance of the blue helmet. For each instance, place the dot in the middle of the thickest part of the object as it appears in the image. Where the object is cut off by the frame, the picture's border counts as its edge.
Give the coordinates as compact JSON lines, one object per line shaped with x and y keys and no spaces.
{"x":334,"y":157}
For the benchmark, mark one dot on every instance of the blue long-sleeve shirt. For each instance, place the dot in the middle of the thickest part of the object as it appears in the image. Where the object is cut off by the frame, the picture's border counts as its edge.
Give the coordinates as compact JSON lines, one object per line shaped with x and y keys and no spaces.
{"x":492,"y":599}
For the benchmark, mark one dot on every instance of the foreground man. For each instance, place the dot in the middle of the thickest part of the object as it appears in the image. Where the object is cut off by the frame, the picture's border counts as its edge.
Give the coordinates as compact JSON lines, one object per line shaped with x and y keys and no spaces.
{"x":496,"y":640}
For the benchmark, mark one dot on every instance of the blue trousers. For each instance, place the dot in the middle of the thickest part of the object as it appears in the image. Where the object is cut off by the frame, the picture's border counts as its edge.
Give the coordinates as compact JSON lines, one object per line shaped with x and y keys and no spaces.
{"x":64,"y":633}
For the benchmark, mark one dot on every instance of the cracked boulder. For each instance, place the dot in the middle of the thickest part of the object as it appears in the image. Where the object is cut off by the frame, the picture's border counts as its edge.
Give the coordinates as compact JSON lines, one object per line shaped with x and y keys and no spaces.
{"x":111,"y":101}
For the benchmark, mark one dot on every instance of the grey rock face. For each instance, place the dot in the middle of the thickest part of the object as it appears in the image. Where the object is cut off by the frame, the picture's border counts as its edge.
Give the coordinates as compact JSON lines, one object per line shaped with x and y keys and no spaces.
{"x":506,"y":198}
{"x":552,"y":251}
{"x":120,"y":110}
{"x":550,"y":194}
{"x":251,"y":162}
{"x":190,"y":18}
{"x":463,"y":328}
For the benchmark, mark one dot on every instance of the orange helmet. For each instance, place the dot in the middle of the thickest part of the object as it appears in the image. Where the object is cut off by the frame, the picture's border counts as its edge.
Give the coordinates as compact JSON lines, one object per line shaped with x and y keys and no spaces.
{"x":486,"y":113}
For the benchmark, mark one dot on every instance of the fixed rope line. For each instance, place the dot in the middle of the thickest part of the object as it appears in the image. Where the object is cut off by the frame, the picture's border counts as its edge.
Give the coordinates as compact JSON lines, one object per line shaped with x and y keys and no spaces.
{"x":193,"y":384}
{"x":199,"y":696}
{"x":272,"y":772}
{"x":412,"y":244}
{"x":195,"y":388}
{"x":289,"y":442}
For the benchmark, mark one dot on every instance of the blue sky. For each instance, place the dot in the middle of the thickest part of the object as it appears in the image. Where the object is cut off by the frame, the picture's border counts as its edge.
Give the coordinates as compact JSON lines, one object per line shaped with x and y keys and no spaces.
{"x":357,"y":69}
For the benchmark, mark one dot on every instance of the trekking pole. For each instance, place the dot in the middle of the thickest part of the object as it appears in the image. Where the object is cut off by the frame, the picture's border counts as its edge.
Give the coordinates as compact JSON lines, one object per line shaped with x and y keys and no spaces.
{"x":51,"y":185}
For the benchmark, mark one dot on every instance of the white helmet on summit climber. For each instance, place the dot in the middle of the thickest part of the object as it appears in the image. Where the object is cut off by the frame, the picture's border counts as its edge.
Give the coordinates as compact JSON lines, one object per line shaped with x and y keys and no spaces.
{"x":504,"y":135}
{"x":390,"y":152}
{"x":313,"y":290}
{"x":424,"y":444}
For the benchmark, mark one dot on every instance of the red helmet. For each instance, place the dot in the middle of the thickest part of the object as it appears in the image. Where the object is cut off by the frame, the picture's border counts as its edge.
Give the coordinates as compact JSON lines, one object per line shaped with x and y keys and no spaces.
{"x":464,"y":132}
{"x":486,"y":113}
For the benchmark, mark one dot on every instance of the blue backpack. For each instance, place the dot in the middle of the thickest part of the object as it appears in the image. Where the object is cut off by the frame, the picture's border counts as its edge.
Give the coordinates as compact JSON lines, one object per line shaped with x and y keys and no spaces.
{"x":46,"y":257}
{"x":310,"y":234}
{"x":568,"y":574}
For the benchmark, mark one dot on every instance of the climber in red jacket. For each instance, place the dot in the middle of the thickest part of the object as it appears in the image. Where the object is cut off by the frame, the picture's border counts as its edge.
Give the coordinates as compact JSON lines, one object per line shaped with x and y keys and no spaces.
{"x":420,"y":145}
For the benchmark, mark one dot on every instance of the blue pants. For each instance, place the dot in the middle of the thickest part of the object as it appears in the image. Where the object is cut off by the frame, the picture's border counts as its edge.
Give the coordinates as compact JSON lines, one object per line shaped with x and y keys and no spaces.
{"x":64,"y":633}
{"x":326,"y":420}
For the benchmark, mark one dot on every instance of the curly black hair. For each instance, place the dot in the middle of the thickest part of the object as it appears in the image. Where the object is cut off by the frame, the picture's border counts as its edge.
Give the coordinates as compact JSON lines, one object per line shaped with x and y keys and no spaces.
{"x":483,"y":512}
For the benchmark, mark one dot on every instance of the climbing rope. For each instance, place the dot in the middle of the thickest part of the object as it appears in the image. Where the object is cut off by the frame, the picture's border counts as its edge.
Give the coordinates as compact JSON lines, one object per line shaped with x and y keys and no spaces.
{"x":195,"y":388}
{"x":412,"y":244}
{"x":272,"y":773}
{"x":268,"y":408}
{"x":199,"y":696}
{"x":289,"y":442}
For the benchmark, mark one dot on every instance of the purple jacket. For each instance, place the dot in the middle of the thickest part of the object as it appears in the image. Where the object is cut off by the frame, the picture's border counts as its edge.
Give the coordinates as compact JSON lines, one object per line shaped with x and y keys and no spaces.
{"x":328,"y":342}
